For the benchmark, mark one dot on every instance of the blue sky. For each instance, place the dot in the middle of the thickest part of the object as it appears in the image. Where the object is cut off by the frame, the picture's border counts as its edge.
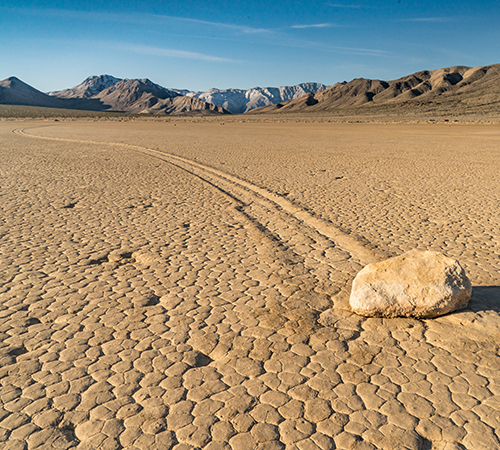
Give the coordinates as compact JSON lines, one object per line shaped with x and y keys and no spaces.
{"x":198,"y":45}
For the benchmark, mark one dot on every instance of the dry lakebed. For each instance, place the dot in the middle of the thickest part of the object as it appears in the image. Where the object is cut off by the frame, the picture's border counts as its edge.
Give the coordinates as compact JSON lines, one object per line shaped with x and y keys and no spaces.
{"x":184,"y":284}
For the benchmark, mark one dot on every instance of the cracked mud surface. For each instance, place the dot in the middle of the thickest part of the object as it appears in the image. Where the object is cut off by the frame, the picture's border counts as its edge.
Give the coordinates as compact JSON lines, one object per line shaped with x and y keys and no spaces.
{"x":148,"y":302}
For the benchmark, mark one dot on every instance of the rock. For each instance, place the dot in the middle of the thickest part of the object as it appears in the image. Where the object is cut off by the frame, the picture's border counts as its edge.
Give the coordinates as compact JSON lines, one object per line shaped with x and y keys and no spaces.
{"x":421,"y":284}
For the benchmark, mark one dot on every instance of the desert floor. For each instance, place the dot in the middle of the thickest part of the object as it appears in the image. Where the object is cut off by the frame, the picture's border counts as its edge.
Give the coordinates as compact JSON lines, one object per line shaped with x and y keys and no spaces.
{"x":184,"y":284}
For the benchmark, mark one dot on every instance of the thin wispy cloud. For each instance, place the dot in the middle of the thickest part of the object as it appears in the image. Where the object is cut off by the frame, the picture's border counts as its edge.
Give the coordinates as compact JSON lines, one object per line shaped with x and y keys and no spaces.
{"x":167,"y":52}
{"x":73,"y":14}
{"x":285,"y":41}
{"x":429,"y":19}
{"x":141,"y":49}
{"x":315,"y":25}
{"x":337,"y":5}
{"x":240,"y":28}
{"x":153,"y":19}
{"x":280,"y":40}
{"x":259,"y":35}
{"x":359,"y":51}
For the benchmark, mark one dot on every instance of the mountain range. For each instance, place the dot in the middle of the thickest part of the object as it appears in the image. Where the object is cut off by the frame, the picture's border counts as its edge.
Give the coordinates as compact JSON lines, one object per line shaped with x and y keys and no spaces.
{"x":239,"y":101}
{"x":461,"y":86}
{"x":106,"y":93}
{"x":88,"y":88}
{"x":236,"y":101}
{"x":454,"y":88}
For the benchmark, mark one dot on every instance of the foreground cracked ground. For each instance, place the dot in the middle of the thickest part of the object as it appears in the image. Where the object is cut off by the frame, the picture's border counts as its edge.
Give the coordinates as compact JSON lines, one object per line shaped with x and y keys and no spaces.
{"x":144,"y":307}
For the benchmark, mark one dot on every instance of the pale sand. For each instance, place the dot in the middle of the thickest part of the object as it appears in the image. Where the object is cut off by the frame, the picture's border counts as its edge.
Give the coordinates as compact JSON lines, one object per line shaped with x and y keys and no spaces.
{"x":150,"y":302}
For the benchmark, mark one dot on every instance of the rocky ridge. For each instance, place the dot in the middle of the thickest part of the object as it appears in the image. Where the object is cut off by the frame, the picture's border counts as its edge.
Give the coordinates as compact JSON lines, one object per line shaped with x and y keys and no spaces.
{"x":459,"y":87}
{"x":100,"y":94}
{"x":91,"y":86}
{"x":239,"y":101}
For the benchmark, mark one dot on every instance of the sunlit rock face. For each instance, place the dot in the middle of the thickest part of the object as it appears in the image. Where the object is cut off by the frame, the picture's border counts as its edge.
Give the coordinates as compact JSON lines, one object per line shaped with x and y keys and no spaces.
{"x":420,"y":284}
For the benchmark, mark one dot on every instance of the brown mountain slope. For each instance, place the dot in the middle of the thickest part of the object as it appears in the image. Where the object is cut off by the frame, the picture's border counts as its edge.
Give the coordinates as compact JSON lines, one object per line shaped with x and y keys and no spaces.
{"x":13,"y":91}
{"x":184,"y":105}
{"x":131,"y":96}
{"x":89,"y":87}
{"x":144,"y":96}
{"x":471,"y":86}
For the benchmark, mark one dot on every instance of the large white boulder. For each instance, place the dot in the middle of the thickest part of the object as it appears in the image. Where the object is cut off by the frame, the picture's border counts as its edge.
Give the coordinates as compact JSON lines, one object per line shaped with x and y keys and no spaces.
{"x":419,"y":284}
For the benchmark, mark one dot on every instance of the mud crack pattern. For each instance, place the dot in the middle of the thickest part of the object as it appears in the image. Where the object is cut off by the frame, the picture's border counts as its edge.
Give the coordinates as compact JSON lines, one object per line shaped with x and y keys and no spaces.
{"x":173,"y":308}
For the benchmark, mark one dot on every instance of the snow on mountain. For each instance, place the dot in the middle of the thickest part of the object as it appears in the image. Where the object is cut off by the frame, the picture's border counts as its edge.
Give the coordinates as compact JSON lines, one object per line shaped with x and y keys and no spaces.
{"x":239,"y":101}
{"x":233,"y":100}
{"x":131,"y":95}
{"x":91,"y":86}
{"x":107,"y":93}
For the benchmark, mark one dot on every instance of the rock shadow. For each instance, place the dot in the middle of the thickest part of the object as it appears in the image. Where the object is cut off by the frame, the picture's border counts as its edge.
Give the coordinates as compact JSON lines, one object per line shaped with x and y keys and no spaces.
{"x":485,"y":298}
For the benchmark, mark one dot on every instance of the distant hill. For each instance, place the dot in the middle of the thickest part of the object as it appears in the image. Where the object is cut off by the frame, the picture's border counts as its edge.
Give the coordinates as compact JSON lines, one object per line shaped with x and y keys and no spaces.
{"x":452,"y":85}
{"x":243,"y":100}
{"x":13,"y":91}
{"x":137,"y":96}
{"x":105,"y":94}
{"x":91,"y":86}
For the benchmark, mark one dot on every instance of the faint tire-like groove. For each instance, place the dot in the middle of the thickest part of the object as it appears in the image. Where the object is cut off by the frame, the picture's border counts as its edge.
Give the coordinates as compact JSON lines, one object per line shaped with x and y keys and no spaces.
{"x":245,"y":192}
